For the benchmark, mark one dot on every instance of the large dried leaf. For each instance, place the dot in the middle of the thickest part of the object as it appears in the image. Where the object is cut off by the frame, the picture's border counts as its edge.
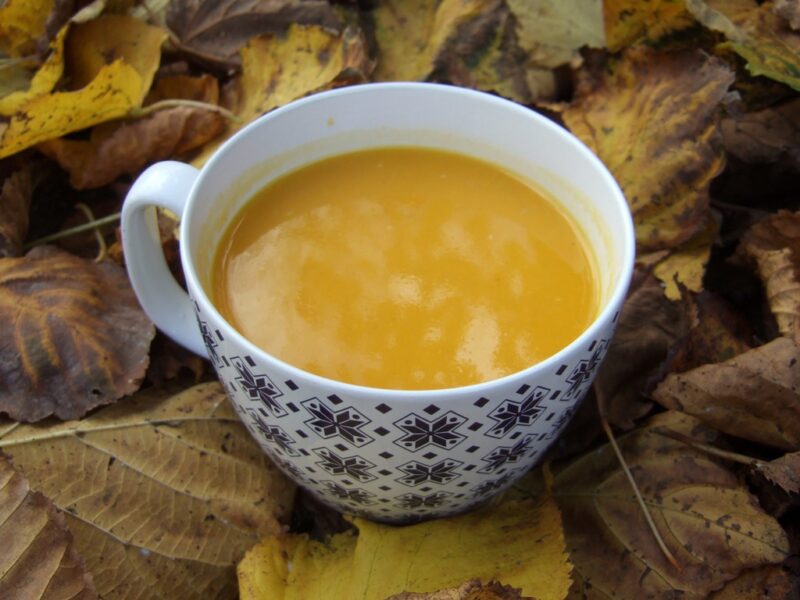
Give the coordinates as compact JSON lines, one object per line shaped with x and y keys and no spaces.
{"x":22,"y":23}
{"x":39,"y":560}
{"x":471,"y":590}
{"x":119,"y":149}
{"x":652,"y":118}
{"x":74,"y":335}
{"x":767,"y":583}
{"x":766,"y":136}
{"x":628,"y":22}
{"x":774,"y":246}
{"x":15,"y":198}
{"x":755,"y":395}
{"x":383,"y":560}
{"x":770,"y":47}
{"x":163,"y":494}
{"x":706,"y":516}
{"x":203,"y":88}
{"x":214,"y":32}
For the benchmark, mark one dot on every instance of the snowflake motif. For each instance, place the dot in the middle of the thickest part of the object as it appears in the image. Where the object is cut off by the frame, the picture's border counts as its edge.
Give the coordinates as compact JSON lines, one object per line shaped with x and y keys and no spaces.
{"x":506,"y":454}
{"x":356,"y":496}
{"x":562,"y":421}
{"x":493,"y":485}
{"x":583,"y":371}
{"x":510,"y":414}
{"x":418,"y":473}
{"x":354,"y":466}
{"x":439,"y":432}
{"x":291,"y":470}
{"x":209,"y":341}
{"x":410,"y":501}
{"x":345,"y":423}
{"x":258,"y":387}
{"x":272,"y":433}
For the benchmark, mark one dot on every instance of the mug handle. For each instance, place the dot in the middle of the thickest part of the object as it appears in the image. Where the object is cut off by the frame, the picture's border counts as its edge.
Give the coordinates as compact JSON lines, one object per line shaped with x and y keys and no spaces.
{"x":166,"y":184}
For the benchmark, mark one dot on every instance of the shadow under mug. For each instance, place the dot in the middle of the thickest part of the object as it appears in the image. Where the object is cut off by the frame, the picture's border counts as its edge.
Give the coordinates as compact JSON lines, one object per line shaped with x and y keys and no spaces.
{"x":388,"y":455}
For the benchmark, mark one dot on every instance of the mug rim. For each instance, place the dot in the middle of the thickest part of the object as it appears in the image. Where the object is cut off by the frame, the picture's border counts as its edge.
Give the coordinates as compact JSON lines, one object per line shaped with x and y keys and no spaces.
{"x":612,"y":303}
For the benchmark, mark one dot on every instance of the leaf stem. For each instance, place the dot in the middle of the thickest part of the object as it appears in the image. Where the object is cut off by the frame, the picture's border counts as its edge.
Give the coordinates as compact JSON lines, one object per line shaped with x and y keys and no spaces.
{"x":177,"y":102}
{"x":648,"y":517}
{"x":95,"y":224}
{"x":732,"y":456}
{"x":101,"y":242}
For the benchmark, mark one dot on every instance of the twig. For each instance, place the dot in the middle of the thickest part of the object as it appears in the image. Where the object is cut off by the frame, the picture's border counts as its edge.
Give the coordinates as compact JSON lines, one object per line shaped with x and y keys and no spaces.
{"x":101,"y":242}
{"x":176,"y":102}
{"x":9,"y":430}
{"x":732,"y":456}
{"x":648,"y":517}
{"x":95,"y":224}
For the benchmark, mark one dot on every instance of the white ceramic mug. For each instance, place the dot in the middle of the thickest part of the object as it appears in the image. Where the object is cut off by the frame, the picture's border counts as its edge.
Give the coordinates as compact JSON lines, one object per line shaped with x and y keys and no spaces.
{"x":388,"y":455}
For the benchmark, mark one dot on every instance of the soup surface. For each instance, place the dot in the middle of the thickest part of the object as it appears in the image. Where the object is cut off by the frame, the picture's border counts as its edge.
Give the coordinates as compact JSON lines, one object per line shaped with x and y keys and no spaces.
{"x":405,"y":268}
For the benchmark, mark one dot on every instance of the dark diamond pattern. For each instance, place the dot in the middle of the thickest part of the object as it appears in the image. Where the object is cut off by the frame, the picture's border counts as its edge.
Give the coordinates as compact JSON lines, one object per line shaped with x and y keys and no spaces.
{"x":506,"y":454}
{"x":355,"y":496}
{"x":583,"y":371}
{"x":411,"y":501}
{"x":440,"y":432}
{"x":346,"y":423}
{"x":491,"y":486}
{"x":258,"y":387}
{"x":209,"y":341}
{"x":273,"y":434}
{"x":511,"y":414}
{"x":417,"y":473}
{"x":353,"y":466}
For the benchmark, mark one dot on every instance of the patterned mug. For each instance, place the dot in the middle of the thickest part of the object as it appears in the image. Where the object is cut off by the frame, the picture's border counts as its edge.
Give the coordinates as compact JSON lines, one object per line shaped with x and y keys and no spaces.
{"x":394,"y":456}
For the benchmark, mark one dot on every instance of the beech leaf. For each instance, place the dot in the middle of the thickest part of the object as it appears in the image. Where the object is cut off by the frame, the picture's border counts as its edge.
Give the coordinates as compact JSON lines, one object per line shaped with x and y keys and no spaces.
{"x":471,"y":590}
{"x":783,"y":472}
{"x":766,"y":583}
{"x":755,"y":396}
{"x":39,"y":559}
{"x":766,"y":136}
{"x":652,"y":119}
{"x":628,"y":22}
{"x":15,"y":199}
{"x":162,"y":493}
{"x":75,"y":337}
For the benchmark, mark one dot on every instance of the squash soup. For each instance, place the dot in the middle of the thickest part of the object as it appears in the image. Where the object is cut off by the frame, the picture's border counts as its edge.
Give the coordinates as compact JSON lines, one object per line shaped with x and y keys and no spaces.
{"x":405,"y":268}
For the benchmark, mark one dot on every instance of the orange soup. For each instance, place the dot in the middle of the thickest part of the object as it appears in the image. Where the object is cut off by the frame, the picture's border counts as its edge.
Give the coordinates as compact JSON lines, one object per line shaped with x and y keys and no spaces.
{"x":405,"y":268}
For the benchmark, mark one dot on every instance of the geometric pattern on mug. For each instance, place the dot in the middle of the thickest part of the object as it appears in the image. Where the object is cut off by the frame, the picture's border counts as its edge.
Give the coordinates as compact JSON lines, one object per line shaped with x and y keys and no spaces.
{"x":491,"y":486}
{"x":583,"y":371}
{"x":272,"y":433}
{"x":510,"y":414}
{"x":417,"y":473}
{"x":292,"y":470}
{"x":258,"y":387}
{"x":410,"y":501}
{"x":353,"y":466}
{"x":439,"y":431}
{"x":209,"y":341}
{"x":346,"y":423}
{"x":506,"y":454}
{"x":561,"y":421}
{"x":358,"y":496}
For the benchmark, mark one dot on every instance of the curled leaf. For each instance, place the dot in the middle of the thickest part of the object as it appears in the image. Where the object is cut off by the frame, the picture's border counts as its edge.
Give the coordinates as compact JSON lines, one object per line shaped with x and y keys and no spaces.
{"x":162,"y":493}
{"x":686,"y":265}
{"x":15,"y":199}
{"x":766,"y":136}
{"x":76,"y":337}
{"x":39,"y":559}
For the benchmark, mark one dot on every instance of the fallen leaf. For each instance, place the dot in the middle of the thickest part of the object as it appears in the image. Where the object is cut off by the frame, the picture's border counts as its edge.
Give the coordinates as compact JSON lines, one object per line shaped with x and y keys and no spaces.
{"x":162,"y":493}
{"x":755,"y":396}
{"x":783,"y":472}
{"x":756,"y":34}
{"x":75,"y":338}
{"x":773,"y":245}
{"x":16,"y":75}
{"x":22,"y":23}
{"x":214,"y":32}
{"x":552,"y":31}
{"x":706,"y":516}
{"x":471,"y":590}
{"x":202,"y":88}
{"x":767,"y":583}
{"x":382,"y":560}
{"x":126,"y":149}
{"x":686,"y":265}
{"x":788,"y":10}
{"x":39,"y":558}
{"x":169,"y":360}
{"x":765,"y":136}
{"x":651,"y":117}
{"x":628,"y":22}
{"x":15,"y":199}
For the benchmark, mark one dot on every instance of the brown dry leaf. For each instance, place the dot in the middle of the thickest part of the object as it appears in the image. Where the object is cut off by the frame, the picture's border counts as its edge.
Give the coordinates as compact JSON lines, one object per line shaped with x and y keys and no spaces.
{"x":162,"y":493}
{"x":214,"y":32}
{"x":628,"y":22}
{"x":75,"y":336}
{"x":126,"y":149}
{"x":38,"y":559}
{"x":15,"y":199}
{"x":708,"y":519}
{"x":755,"y":396}
{"x":202,"y":88}
{"x":22,"y":23}
{"x":765,"y":136}
{"x":685,"y":266}
{"x":471,"y":590}
{"x":756,"y":34}
{"x":788,"y":10}
{"x":774,"y":246}
{"x":651,"y":117}
{"x":783,"y":472}
{"x":649,"y":324}
{"x":767,"y":583}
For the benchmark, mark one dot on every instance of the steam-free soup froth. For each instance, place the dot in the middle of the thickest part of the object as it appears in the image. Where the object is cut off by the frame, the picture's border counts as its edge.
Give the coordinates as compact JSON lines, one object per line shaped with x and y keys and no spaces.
{"x":405,"y":268}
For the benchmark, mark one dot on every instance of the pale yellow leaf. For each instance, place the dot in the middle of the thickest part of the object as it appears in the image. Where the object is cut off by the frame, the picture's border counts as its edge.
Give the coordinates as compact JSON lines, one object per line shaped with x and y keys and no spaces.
{"x":686,"y":265}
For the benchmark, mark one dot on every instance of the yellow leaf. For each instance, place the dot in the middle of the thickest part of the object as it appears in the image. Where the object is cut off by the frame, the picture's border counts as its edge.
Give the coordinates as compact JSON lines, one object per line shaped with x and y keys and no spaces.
{"x":630,"y":21}
{"x":686,"y":264}
{"x":518,"y":542}
{"x":22,"y":22}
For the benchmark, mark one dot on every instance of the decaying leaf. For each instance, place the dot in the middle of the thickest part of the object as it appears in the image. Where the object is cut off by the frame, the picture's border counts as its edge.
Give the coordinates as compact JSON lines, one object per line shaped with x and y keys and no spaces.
{"x":162,"y":493}
{"x":381,"y":560}
{"x":630,"y":21}
{"x":202,"y":88}
{"x":116,"y":149}
{"x":756,"y":33}
{"x":75,"y":336}
{"x":22,"y":23}
{"x":783,"y":472}
{"x":651,"y":117}
{"x":706,"y":516}
{"x":765,"y":136}
{"x":15,"y":198}
{"x":755,"y":396}
{"x":471,"y":590}
{"x":767,"y":583}
{"x":686,"y":265}
{"x":214,"y":32}
{"x":774,"y":246}
{"x":788,"y":10}
{"x":39,"y":560}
